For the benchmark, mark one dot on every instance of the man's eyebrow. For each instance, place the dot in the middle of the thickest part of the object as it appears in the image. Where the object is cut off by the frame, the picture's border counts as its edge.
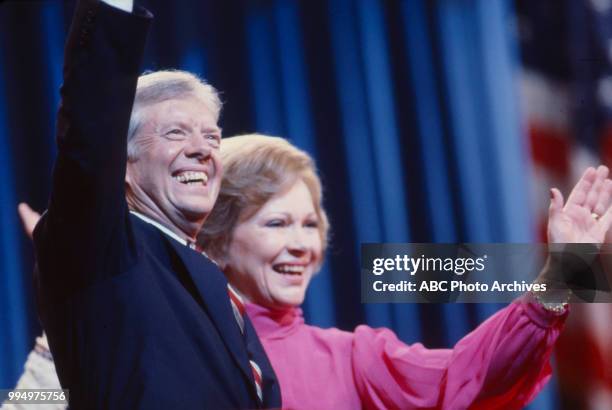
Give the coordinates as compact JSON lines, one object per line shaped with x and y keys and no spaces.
{"x":212,"y":129}
{"x":172,"y":123}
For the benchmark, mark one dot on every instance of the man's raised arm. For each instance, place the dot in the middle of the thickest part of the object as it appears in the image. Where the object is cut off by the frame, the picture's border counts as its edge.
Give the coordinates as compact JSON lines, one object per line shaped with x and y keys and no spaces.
{"x":87,"y":206}
{"x":125,"y":5}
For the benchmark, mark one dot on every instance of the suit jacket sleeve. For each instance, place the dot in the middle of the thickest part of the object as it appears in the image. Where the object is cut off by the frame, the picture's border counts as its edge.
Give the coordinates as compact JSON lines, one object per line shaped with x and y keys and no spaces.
{"x":85,"y":235}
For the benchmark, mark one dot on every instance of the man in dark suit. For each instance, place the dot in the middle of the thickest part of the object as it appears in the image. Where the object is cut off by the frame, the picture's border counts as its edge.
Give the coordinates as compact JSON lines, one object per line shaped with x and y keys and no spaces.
{"x":136,"y":317}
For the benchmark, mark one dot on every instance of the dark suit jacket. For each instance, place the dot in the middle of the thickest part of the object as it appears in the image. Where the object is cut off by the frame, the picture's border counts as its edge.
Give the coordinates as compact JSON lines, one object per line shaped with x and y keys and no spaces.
{"x":135,"y":320}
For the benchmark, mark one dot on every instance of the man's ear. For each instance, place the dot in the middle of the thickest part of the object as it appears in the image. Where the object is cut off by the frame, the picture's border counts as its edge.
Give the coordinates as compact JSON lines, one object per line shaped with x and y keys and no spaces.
{"x":128,"y":175}
{"x":129,"y":182}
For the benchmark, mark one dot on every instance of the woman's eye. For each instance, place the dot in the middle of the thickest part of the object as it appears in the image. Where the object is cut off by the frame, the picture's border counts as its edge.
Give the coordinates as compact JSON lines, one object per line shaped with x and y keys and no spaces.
{"x":275,"y":223}
{"x":312,"y":224}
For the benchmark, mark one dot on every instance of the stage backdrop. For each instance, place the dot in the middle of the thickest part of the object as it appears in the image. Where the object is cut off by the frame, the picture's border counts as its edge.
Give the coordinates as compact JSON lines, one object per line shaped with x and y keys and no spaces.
{"x":409,"y":108}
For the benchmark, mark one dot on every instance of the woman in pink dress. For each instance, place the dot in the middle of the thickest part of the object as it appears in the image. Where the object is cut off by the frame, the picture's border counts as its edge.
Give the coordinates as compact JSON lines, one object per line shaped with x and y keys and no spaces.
{"x":268,"y":232}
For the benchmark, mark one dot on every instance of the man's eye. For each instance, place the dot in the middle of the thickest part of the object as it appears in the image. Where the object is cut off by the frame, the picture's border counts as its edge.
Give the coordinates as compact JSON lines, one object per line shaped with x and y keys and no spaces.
{"x":175,"y":131}
{"x":213,"y":137}
{"x":275,"y":223}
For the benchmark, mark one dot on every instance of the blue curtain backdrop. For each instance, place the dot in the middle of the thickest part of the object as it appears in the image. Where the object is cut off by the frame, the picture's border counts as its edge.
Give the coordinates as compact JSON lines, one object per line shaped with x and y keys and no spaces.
{"x":409,"y":108}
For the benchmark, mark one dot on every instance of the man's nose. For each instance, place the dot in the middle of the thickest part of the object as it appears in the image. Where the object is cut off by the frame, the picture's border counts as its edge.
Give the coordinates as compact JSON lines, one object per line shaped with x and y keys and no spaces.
{"x":197,"y":147}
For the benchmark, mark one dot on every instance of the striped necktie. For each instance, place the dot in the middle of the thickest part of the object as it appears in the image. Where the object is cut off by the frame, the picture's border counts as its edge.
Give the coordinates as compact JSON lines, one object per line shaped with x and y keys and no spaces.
{"x":239,"y":312}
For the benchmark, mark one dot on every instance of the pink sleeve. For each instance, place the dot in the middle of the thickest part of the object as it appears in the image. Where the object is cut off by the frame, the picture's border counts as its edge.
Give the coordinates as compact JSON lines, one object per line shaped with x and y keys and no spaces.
{"x":502,"y":364}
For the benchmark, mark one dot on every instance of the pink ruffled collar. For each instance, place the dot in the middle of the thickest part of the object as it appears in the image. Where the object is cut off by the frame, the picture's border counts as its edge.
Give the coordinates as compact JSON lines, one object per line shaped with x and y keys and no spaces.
{"x":274,"y":323}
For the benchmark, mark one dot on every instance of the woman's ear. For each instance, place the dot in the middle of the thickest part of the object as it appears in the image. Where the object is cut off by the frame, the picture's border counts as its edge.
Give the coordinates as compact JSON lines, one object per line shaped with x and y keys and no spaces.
{"x":221,"y":262}
{"x":218,"y":256}
{"x":217,"y":259}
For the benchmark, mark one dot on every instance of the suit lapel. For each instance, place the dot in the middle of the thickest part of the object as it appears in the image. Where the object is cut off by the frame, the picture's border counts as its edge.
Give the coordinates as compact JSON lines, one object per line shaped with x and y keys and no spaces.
{"x":212,"y":287}
{"x":271,"y":388}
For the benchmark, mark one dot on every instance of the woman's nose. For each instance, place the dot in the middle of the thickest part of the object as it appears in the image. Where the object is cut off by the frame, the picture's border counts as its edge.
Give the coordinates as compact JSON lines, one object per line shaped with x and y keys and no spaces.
{"x":297,"y":244}
{"x":297,"y":252}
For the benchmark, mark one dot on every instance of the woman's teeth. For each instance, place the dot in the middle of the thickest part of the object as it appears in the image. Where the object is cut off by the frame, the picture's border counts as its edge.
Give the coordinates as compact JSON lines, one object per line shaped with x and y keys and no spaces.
{"x":290,"y":269}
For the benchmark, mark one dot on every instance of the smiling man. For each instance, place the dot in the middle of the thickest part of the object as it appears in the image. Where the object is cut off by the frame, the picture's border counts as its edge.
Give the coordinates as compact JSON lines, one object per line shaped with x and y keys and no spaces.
{"x":135,"y":316}
{"x":173,"y":171}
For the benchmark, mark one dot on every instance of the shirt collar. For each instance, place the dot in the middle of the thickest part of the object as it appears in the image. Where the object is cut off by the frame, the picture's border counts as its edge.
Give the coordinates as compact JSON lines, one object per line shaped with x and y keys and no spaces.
{"x":165,"y":230}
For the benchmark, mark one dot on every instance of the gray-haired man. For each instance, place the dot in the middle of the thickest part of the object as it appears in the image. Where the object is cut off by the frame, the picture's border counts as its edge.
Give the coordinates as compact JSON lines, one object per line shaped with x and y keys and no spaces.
{"x":137,"y":318}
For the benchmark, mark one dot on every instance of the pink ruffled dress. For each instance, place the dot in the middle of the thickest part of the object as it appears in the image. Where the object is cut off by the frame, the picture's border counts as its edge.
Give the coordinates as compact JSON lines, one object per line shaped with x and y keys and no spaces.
{"x":502,"y":364}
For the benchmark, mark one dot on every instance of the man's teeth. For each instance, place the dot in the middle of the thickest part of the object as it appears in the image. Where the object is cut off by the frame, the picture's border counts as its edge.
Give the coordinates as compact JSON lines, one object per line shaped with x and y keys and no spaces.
{"x":192,"y":177}
{"x":291,"y":269}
